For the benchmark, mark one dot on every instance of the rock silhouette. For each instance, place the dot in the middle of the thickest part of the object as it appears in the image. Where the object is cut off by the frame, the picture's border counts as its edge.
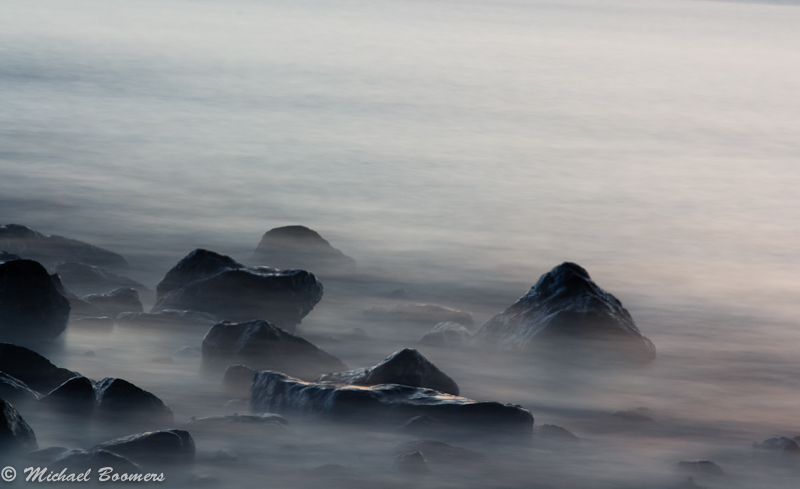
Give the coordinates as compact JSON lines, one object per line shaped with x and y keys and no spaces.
{"x":85,"y":279}
{"x":49,"y":250}
{"x":119,"y":398}
{"x":15,"y":434}
{"x":165,"y":447}
{"x":30,"y":305}
{"x":31,"y":368}
{"x":447,"y":334}
{"x":124,"y":299}
{"x":300,"y":247}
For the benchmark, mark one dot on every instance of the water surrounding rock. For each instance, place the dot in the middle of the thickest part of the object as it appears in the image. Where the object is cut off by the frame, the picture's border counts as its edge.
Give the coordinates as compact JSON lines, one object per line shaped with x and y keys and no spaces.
{"x":78,"y":308}
{"x":300,"y":247}
{"x":700,"y":467}
{"x":437,"y":452}
{"x":15,"y":434}
{"x":31,"y":368}
{"x":406,"y":367}
{"x":15,"y":390}
{"x":76,"y":396}
{"x":566,"y":313}
{"x":170,"y":318}
{"x":50,"y":250}
{"x":123,"y":299}
{"x":238,"y":378}
{"x":215,"y":284}
{"x":85,"y":279}
{"x":30,"y":305}
{"x":279,"y":393}
{"x":447,"y":334}
{"x":553,"y":432}
{"x":119,"y":398}
{"x":420,"y":313}
{"x":265,"y":346}
{"x":165,"y":447}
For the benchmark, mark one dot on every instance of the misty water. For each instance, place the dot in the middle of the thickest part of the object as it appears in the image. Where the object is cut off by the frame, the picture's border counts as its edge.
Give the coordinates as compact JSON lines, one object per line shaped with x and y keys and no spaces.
{"x":458,"y":150}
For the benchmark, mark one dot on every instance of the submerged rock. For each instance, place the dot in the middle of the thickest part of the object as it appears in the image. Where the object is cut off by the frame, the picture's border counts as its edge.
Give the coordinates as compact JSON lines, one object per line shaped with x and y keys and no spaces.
{"x":78,"y":308}
{"x":447,"y":334}
{"x":264,"y":345}
{"x":49,"y":250}
{"x":700,"y":467}
{"x":31,"y":368}
{"x":781,"y":443}
{"x":165,"y":447}
{"x":15,"y":390}
{"x":30,"y":305}
{"x":123,"y":299}
{"x":171,"y":318}
{"x":300,"y":247}
{"x":567,"y":313}
{"x":553,"y":432}
{"x":120,"y":398}
{"x":411,"y":463}
{"x":15,"y":434}
{"x":406,"y":367}
{"x":82,"y":460}
{"x":212,"y":283}
{"x":438,"y":452}
{"x":86,"y":279}
{"x":420,"y":313}
{"x":386,"y":403}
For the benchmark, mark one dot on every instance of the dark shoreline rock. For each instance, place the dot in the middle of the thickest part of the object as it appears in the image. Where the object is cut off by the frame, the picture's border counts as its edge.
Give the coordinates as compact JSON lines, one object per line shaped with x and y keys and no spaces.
{"x":118,"y":398}
{"x":31,"y":368}
{"x":123,"y":299}
{"x":49,"y":250}
{"x":30,"y":305}
{"x":300,"y":247}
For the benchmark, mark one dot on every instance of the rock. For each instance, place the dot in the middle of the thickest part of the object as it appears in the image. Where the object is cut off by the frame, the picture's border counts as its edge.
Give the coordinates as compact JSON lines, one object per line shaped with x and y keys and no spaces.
{"x":246,"y":422}
{"x":215,"y":284}
{"x":78,"y":308}
{"x":168,"y":318}
{"x":437,"y":452}
{"x":238,"y":377}
{"x":406,"y":367}
{"x":31,"y":368}
{"x":278,"y":393}
{"x":30,"y":305}
{"x":102,"y":323}
{"x":123,"y":299}
{"x":82,"y":460}
{"x":264,"y":345}
{"x":15,"y":390}
{"x":300,"y":247}
{"x":567,"y":313}
{"x":49,"y":250}
{"x":76,"y":396}
{"x":6,"y":256}
{"x":447,"y":334}
{"x":421,"y":425}
{"x":85,"y":279}
{"x":120,"y":398}
{"x":420,"y":313}
{"x":699,"y":468}
{"x":782,"y":443}
{"x":15,"y":434}
{"x":165,"y":447}
{"x":553,"y":432}
{"x":411,"y":463}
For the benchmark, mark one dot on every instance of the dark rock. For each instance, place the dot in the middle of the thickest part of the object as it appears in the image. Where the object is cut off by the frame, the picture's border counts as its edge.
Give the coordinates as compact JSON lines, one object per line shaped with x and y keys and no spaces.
{"x":6,"y":256}
{"x":437,"y":452}
{"x":49,"y":250}
{"x":447,"y":334}
{"x":120,"y":398}
{"x":15,"y":434}
{"x":419,"y":313}
{"x":124,"y":299}
{"x":406,"y":367}
{"x":15,"y":390}
{"x":169,"y":318}
{"x":701,"y":467}
{"x":238,"y":377}
{"x":246,"y":422}
{"x":31,"y":368}
{"x":411,"y":463}
{"x":566,"y":313}
{"x":553,"y":432}
{"x":30,"y":305}
{"x":82,"y":460}
{"x":78,"y":308}
{"x":165,"y":447}
{"x":208,"y":282}
{"x":85,"y":279}
{"x":264,"y":345}
{"x":102,"y":323}
{"x":277,"y":392}
{"x":782,"y":443}
{"x":76,"y":396}
{"x":300,"y":247}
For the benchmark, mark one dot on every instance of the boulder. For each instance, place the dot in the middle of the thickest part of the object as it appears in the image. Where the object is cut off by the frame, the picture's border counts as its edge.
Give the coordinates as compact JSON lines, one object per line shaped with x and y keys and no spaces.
{"x":120,"y":398}
{"x":123,"y":299}
{"x":15,"y":434}
{"x":31,"y":368}
{"x":447,"y":334}
{"x":557,"y":433}
{"x":406,"y":367}
{"x":78,"y":308}
{"x":30,"y":305}
{"x":781,"y":443}
{"x":75,"y":396}
{"x":215,"y":284}
{"x":386,"y":403}
{"x":86,"y":279}
{"x":49,"y":250}
{"x":15,"y":390}
{"x":263,"y":345}
{"x":566,"y":313}
{"x":300,"y":247}
{"x":165,"y":447}
{"x":169,"y":318}
{"x":82,"y":460}
{"x":431,"y":314}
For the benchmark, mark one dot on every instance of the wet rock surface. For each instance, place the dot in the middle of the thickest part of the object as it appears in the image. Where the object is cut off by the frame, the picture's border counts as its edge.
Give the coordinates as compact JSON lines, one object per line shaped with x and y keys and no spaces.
{"x":30,"y":305}
{"x":279,"y":393}
{"x":447,"y":334}
{"x":119,"y":398}
{"x":262,"y":345}
{"x":123,"y":299}
{"x":31,"y":368}
{"x":405,"y":367}
{"x":49,"y":250}
{"x":15,"y":434}
{"x":553,"y":432}
{"x":300,"y":247}
{"x":215,"y":284}
{"x":165,"y":447}
{"x":420,"y":313}
{"x":15,"y":390}
{"x":82,"y":460}
{"x":564,"y":313}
